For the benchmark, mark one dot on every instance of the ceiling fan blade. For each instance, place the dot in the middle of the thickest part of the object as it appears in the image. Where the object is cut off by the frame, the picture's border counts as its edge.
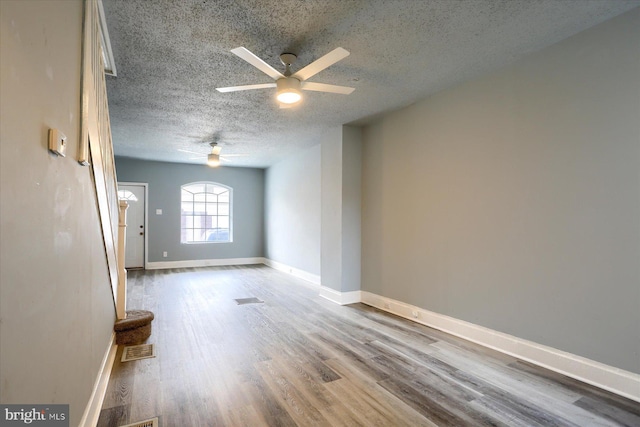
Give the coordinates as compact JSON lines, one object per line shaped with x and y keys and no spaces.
{"x":321,"y":63}
{"x":322,"y":87}
{"x":245,"y":54}
{"x":190,"y":152}
{"x":245,"y":87}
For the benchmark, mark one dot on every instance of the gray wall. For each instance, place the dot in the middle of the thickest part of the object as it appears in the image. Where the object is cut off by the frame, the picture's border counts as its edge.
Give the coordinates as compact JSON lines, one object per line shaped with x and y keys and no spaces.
{"x":164,"y":181}
{"x":56,"y":306}
{"x":513,"y":201}
{"x":292,"y":211}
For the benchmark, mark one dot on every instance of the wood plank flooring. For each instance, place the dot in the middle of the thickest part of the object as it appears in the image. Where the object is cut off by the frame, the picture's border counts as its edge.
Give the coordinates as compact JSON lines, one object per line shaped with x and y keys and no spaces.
{"x":299,"y":360}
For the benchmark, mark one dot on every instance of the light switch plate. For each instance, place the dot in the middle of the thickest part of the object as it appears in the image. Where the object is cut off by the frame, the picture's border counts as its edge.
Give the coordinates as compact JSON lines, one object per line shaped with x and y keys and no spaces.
{"x":57,"y":142}
{"x":158,"y":211}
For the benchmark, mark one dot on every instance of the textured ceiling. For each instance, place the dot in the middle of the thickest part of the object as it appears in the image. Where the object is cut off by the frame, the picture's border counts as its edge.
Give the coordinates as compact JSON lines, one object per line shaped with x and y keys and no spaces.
{"x":171,"y":55}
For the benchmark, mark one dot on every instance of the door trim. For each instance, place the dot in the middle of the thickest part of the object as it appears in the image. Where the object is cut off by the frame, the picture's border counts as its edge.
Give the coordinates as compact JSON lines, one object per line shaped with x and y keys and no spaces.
{"x":146,"y":217}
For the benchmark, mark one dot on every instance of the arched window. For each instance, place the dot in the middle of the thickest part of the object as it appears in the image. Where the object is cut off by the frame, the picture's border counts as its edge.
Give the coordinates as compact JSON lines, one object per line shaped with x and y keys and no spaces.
{"x":205,"y":213}
{"x":127,"y":195}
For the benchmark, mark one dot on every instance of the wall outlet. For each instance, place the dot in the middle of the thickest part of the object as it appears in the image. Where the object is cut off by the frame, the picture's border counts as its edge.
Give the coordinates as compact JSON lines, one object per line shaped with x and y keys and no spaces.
{"x":158,"y":211}
{"x":164,"y":254}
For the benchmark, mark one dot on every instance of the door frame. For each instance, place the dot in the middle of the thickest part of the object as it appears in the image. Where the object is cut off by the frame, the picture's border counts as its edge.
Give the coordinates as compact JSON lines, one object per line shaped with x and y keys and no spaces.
{"x":146,"y":217}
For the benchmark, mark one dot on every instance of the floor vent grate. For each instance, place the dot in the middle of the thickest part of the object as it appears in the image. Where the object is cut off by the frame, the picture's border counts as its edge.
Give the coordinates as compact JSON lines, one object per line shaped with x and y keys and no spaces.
{"x":253,"y":300}
{"x":135,"y":352}
{"x":153,"y":422}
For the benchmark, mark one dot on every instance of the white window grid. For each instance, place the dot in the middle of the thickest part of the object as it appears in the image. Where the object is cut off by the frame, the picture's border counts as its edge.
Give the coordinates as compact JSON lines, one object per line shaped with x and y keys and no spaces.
{"x":205,"y":213}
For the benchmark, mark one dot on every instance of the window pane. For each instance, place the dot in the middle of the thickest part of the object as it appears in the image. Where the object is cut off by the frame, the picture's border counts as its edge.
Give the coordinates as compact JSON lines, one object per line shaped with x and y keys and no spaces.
{"x":224,"y":197}
{"x":212,"y":209}
{"x":187,"y":221}
{"x":199,"y":235}
{"x":198,"y":187}
{"x":186,"y":196}
{"x":199,"y":208}
{"x":127,"y":195}
{"x":201,"y":221}
{"x":218,"y":235}
{"x":211,"y":235}
{"x":223,"y":208}
{"x":200,"y":197}
{"x":223,"y":221}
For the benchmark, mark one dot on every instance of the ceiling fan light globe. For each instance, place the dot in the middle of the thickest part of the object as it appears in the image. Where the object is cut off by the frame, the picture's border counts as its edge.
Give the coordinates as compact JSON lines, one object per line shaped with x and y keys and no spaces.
{"x":289,"y":97}
{"x":288,"y":90}
{"x":213,"y":160}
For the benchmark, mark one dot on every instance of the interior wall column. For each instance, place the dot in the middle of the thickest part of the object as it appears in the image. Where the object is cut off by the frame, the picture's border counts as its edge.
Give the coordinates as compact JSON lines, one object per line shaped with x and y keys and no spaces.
{"x":341,"y":166}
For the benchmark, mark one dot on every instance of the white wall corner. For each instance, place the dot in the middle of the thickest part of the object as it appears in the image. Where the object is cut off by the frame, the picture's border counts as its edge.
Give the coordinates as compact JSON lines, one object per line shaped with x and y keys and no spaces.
{"x":94,"y":405}
{"x":615,"y":380}
{"x":301,"y":274}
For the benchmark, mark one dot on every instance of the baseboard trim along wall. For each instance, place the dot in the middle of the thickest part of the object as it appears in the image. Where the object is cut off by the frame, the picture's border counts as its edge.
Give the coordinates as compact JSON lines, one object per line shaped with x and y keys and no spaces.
{"x":301,"y":274}
{"x":607,"y":377}
{"x":92,"y":411}
{"x":204,"y":263}
{"x":338,"y":297}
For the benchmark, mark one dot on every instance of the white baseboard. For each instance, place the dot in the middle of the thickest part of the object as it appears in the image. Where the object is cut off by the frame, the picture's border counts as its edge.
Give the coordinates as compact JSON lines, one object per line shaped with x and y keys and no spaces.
{"x":92,"y":410}
{"x":342,"y":298}
{"x":338,"y":297}
{"x":203,"y":263}
{"x":301,"y":274}
{"x":607,"y":377}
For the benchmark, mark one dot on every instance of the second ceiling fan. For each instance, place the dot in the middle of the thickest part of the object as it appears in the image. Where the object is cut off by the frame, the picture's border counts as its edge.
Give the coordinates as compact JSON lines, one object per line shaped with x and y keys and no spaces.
{"x":288,"y":86}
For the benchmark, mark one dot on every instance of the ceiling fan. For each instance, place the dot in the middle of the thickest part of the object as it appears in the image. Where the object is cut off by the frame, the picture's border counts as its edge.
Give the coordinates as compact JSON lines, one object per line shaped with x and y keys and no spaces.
{"x":214,"y":158}
{"x":288,"y":85}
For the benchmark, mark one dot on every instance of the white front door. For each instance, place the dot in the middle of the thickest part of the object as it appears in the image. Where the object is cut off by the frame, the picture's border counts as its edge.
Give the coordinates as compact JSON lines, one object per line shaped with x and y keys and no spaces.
{"x":134,"y":194}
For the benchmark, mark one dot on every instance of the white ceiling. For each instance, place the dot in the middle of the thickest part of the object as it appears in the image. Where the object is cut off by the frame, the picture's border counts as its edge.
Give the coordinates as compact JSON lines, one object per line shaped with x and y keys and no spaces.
{"x":171,"y":55}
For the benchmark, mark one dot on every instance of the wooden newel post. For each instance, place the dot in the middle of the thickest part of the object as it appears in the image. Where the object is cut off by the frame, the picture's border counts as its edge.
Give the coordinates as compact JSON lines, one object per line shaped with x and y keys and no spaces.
{"x":121,"y":295}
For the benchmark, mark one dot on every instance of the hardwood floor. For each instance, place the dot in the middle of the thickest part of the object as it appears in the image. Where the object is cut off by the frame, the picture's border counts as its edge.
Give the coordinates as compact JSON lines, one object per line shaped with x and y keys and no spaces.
{"x":300,"y":360}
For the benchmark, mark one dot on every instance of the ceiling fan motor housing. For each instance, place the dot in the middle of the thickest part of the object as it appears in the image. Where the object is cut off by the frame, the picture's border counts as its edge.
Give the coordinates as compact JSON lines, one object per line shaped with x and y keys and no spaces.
{"x":288,"y":58}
